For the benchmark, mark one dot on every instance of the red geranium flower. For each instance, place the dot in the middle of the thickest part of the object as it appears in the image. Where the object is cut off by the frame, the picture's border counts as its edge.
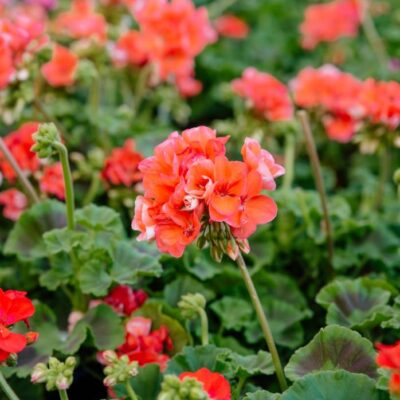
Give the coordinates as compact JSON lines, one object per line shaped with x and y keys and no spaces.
{"x":14,"y":203}
{"x":52,"y":181}
{"x":14,"y":307}
{"x":232,"y":27}
{"x":214,"y":384}
{"x":389,"y":357}
{"x":129,"y":49}
{"x":61,"y":70}
{"x":121,"y":167}
{"x":19,"y":143}
{"x":125,"y":300}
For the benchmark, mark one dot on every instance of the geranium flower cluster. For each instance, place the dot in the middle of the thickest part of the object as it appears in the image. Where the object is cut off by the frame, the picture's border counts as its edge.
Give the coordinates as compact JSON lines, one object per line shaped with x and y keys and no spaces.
{"x":121,"y":166}
{"x":171,"y":34}
{"x":192,"y":189}
{"x":231,"y":26}
{"x":265,"y":93}
{"x":328,"y":22}
{"x":50,"y":177}
{"x":124,"y":300}
{"x":144,"y":344}
{"x":21,"y":33}
{"x":389,"y":357}
{"x":14,"y":307}
{"x":347,"y":102}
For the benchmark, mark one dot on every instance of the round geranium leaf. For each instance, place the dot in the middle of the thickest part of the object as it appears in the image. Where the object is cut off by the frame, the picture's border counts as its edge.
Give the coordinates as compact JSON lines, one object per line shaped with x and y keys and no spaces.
{"x":358,"y":304}
{"x":333,"y":347}
{"x":332,"y":385}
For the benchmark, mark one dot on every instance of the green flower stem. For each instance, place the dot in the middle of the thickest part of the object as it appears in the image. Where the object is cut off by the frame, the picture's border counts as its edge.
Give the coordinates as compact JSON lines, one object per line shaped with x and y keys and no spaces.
{"x":317,"y":172}
{"x":373,"y":37}
{"x":141,"y":87}
{"x":93,"y":189}
{"x":239,"y":388}
{"x":263,"y":322}
{"x":204,"y":327}
{"x":27,"y":186}
{"x":69,"y":188}
{"x":219,"y":7}
{"x":290,"y":152}
{"x":63,"y":394}
{"x":384,"y":173}
{"x":131,"y":392}
{"x":6,"y":388}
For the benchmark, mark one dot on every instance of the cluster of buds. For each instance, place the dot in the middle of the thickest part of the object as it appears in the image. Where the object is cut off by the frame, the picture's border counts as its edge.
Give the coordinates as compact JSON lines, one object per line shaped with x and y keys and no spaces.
{"x":57,"y":375}
{"x":191,"y":305}
{"x":174,"y":388}
{"x":219,"y":237}
{"x":118,"y":369}
{"x":46,"y":139}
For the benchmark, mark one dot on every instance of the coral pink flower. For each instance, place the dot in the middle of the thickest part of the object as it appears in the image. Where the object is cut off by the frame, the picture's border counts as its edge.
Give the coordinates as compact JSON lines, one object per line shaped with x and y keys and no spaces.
{"x":188,"y":86}
{"x":14,"y":307}
{"x":61,"y":70}
{"x":329,"y":21}
{"x":340,"y":128}
{"x":129,"y":50}
{"x":231,"y":26}
{"x":214,"y":384}
{"x":14,"y":203}
{"x":6,"y":64}
{"x":121,"y":167}
{"x":81,"y":22}
{"x":189,"y":184}
{"x":19,"y":143}
{"x":125,"y":300}
{"x":265,"y":93}
{"x":263,"y":162}
{"x":52,"y":181}
{"x":389,"y":357}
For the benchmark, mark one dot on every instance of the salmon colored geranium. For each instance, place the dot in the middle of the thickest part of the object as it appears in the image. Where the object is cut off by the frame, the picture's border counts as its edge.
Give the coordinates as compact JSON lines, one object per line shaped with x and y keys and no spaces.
{"x":82,"y":22}
{"x":265,"y":93}
{"x":214,"y":384}
{"x":129,"y":50}
{"x":19,"y":143}
{"x":121,"y":167}
{"x":52,"y":181}
{"x":330,"y":21}
{"x":14,"y":307}
{"x":389,"y":357}
{"x":61,"y":70}
{"x":189,"y":183}
{"x":14,"y":203}
{"x":231,"y":26}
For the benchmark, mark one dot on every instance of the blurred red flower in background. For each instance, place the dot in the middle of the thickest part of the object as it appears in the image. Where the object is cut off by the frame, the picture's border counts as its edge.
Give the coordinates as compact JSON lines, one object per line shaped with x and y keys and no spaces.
{"x":389,"y":357}
{"x":231,"y":26}
{"x":14,"y":203}
{"x":52,"y":181}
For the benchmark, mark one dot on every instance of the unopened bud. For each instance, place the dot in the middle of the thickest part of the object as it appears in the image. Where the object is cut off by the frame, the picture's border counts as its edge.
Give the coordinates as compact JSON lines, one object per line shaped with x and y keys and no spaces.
{"x":31,"y":337}
{"x":45,"y":139}
{"x":190,"y":304}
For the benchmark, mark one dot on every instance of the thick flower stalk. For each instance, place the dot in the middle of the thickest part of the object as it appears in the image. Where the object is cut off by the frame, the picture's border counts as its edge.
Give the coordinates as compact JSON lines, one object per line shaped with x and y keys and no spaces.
{"x":193,"y":305}
{"x":192,"y":191}
{"x":47,"y":143}
{"x":56,"y":375}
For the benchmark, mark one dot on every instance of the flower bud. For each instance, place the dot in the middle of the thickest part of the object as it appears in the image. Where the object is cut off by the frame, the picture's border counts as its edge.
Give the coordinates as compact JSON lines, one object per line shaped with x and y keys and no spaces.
{"x":172,"y":388}
{"x":31,"y":337}
{"x":190,"y":304}
{"x":45,"y":139}
{"x":118,"y":369}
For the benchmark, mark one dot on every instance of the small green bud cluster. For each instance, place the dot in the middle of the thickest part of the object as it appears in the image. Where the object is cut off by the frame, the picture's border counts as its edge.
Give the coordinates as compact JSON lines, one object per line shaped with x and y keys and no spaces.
{"x":173,"y":388}
{"x":57,"y":375}
{"x":191,"y":304}
{"x":45,"y":139}
{"x":118,"y":369}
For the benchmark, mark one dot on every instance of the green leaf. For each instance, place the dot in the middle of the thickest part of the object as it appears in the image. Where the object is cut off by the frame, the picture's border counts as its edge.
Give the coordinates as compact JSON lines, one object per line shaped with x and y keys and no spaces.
{"x":93,"y":277}
{"x":234,"y":313}
{"x":200,"y":264}
{"x":100,"y":219}
{"x":104,"y":326}
{"x":146,"y":384}
{"x":184,"y":285}
{"x":132,"y":260}
{"x":194,"y":358}
{"x":358,"y":304}
{"x":59,"y":273}
{"x":334,"y":347}
{"x":285,"y":324}
{"x":263,"y":395}
{"x":257,"y":364}
{"x":26,"y":238}
{"x":332,"y":385}
{"x":155,"y":312}
{"x":62,"y":240}
{"x":394,"y":321}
